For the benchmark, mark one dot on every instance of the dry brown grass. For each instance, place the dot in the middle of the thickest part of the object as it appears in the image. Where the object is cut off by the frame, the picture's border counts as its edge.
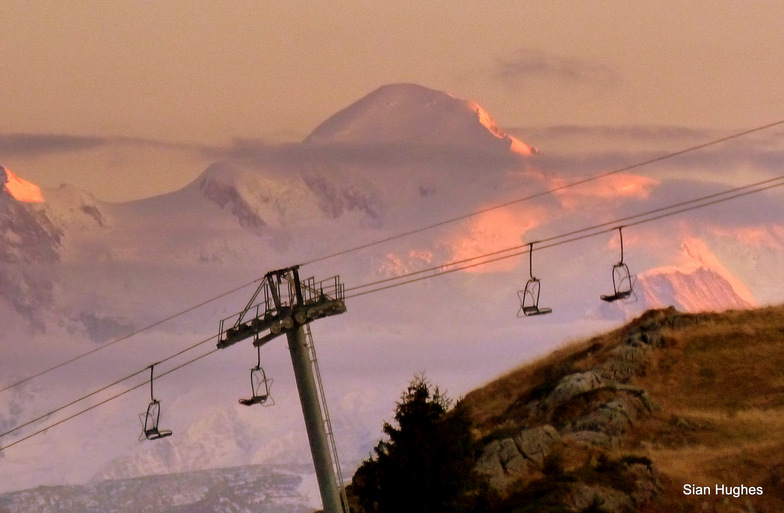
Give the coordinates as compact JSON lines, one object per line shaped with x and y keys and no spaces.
{"x":719,"y":382}
{"x":490,"y":404}
{"x":720,"y":385}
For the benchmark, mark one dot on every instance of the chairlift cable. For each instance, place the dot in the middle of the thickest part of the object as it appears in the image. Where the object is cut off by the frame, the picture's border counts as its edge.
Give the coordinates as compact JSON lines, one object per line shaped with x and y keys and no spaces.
{"x":95,"y":392}
{"x":33,"y":421}
{"x":555,"y":242}
{"x":401,"y":235}
{"x":505,"y":252}
{"x":447,"y":271}
{"x":129,"y":335}
{"x":518,"y":253}
{"x":574,"y":232}
{"x":592,"y":233}
{"x":120,"y":394}
{"x":545,"y":192}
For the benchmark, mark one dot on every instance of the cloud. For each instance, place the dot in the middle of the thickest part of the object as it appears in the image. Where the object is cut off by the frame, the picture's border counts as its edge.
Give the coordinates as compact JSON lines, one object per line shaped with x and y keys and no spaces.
{"x":262,"y":151}
{"x":364,"y":154}
{"x":623,"y":186}
{"x":643,"y":133}
{"x":36,"y":144}
{"x":664,"y":138}
{"x":31,"y":145}
{"x":654,"y":150}
{"x":754,"y":208}
{"x":529,"y":64}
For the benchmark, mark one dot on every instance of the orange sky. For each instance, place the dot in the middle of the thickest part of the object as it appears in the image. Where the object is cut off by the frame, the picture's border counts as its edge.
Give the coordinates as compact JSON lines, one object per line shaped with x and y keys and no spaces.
{"x":208,"y":72}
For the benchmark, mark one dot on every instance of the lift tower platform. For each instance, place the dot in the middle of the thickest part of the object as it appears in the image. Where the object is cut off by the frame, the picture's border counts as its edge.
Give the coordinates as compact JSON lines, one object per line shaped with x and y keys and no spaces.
{"x":287,"y":305}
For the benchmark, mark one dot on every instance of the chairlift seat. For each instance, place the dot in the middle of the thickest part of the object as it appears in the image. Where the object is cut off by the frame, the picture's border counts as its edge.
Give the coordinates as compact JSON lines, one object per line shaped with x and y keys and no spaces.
{"x":623,"y":284}
{"x":256,"y":399}
{"x":154,"y":434}
{"x":532,"y":310}
{"x":151,"y":418}
{"x":615,"y":297}
{"x":529,"y":300}
{"x":260,"y":387}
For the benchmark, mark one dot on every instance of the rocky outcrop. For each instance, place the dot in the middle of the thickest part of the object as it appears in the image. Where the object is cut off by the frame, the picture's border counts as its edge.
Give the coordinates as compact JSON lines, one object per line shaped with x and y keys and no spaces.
{"x":505,"y":460}
{"x":583,"y":413}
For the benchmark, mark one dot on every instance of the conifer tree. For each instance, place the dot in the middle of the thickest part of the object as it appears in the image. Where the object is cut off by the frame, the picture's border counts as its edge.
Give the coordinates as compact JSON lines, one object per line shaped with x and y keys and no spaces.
{"x":425,"y":463}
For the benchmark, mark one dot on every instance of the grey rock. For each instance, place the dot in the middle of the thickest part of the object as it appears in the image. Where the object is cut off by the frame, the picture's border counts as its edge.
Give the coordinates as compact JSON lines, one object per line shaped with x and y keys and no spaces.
{"x":536,"y":443}
{"x":590,"y":438}
{"x":572,"y":385}
{"x":583,"y":495}
{"x":510,"y":459}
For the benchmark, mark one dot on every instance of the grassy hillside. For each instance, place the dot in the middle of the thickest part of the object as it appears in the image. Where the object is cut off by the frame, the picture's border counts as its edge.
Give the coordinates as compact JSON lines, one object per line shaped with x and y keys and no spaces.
{"x":684,"y":399}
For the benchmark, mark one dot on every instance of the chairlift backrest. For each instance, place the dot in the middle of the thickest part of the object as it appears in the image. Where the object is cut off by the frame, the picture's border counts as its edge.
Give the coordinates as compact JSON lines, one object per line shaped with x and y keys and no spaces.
{"x":151,"y":419}
{"x":529,"y":296}
{"x":623,"y":282}
{"x":622,"y":279}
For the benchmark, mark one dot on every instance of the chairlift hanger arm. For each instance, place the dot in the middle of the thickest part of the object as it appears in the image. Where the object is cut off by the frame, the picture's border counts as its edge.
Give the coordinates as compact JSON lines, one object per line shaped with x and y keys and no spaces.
{"x":265,"y":282}
{"x":275,"y":290}
{"x":531,"y":260}
{"x":152,"y":396}
{"x":250,"y":303}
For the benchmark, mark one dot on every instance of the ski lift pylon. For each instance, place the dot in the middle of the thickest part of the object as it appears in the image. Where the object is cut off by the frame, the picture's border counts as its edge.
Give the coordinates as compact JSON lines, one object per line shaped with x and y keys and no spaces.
{"x":529,"y":296}
{"x":152,"y":416}
{"x":259,"y":385}
{"x":623,"y":281}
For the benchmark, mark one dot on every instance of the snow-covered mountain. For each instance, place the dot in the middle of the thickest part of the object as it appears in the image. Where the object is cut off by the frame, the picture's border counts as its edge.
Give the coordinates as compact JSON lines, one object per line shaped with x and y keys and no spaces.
{"x":76,"y":271}
{"x":693,"y":286}
{"x":251,"y":488}
{"x":412,"y":115}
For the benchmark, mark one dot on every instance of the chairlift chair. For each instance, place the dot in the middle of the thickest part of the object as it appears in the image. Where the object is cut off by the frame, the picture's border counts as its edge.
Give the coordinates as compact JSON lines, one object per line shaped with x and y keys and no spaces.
{"x":259,"y":386}
{"x":153,"y":416}
{"x":529,"y":297}
{"x":623,"y":281}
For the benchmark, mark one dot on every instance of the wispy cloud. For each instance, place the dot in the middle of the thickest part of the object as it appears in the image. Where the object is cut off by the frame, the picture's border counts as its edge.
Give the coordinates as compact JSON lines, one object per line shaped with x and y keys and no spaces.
{"x":726,"y":161}
{"x":36,"y":144}
{"x":370,"y":154}
{"x":30,"y":145}
{"x":649,"y":133}
{"x":534,"y":64}
{"x":262,"y":152}
{"x":588,"y":149}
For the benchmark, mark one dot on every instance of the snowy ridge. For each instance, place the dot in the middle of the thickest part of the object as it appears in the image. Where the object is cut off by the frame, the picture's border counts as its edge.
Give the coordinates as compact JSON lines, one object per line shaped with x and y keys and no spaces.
{"x":700,"y":284}
{"x":697,"y":291}
{"x":415,"y":115}
{"x":231,"y":490}
{"x":19,"y":189}
{"x":256,"y":199}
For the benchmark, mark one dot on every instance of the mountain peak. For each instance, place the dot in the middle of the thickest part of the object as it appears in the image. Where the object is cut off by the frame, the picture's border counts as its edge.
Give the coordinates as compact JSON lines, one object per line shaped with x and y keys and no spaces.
{"x":410,"y":114}
{"x":18,"y":188}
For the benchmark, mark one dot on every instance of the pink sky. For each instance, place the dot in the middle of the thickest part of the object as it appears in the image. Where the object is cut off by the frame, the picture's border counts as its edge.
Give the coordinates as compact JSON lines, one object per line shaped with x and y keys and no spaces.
{"x":145,"y":86}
